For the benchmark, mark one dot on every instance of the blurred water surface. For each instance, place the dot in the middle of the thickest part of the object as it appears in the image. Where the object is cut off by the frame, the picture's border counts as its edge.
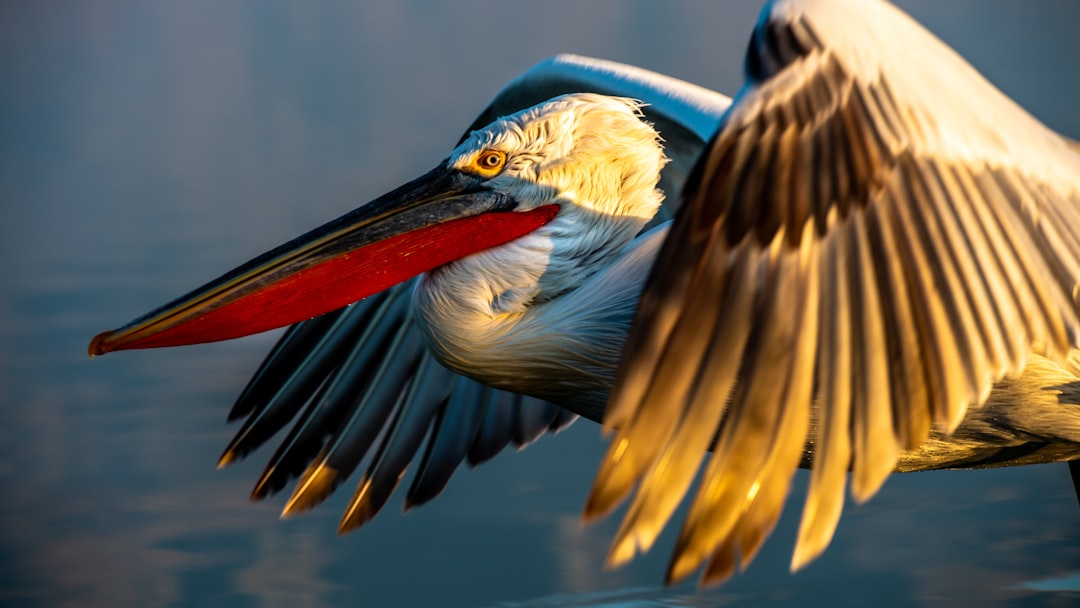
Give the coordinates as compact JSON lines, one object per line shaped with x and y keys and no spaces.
{"x":146,"y":147}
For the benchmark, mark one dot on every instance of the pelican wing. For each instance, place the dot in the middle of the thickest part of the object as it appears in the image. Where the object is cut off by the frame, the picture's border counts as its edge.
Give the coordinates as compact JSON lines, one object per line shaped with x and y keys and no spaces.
{"x":358,"y":383}
{"x":875,"y":236}
{"x":360,"y":377}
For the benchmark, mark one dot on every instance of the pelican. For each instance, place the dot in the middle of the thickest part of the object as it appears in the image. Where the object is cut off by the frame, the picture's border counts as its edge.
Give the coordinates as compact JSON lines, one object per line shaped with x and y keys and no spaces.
{"x":873,"y":266}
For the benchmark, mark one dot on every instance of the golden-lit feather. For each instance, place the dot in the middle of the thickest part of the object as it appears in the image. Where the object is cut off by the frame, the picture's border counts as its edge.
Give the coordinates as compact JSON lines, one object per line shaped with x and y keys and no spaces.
{"x":947,"y":259}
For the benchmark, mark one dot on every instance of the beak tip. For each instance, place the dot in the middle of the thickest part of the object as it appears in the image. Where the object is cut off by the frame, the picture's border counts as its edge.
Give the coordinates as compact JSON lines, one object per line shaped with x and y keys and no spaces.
{"x":98,"y":344}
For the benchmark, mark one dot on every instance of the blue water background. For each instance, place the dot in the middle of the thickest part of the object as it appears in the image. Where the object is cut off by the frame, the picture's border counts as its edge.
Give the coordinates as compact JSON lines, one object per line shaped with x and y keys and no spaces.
{"x":146,"y":147}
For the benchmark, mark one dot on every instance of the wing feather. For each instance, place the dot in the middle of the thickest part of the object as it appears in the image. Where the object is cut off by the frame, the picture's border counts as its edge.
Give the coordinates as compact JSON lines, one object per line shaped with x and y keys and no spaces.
{"x":670,"y":475}
{"x":293,"y":389}
{"x":768,"y":492}
{"x":832,"y":458}
{"x":288,"y":354}
{"x":392,"y":375}
{"x":751,"y":436}
{"x":452,"y":433}
{"x":496,"y":426}
{"x":871,"y":407}
{"x":532,"y":418}
{"x":905,"y":254}
{"x":326,"y":409}
{"x":426,"y":394}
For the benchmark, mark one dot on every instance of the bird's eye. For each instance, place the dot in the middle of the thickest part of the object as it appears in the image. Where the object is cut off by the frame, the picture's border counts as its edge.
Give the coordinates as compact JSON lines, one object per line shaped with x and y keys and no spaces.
{"x":489,"y":163}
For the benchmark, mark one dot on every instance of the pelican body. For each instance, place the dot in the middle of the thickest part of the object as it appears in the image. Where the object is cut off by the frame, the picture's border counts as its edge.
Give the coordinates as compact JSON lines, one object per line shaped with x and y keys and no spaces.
{"x":861,"y":277}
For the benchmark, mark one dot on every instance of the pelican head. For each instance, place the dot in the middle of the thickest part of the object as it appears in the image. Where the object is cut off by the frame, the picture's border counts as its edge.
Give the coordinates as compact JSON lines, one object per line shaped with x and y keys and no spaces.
{"x":591,"y":156}
{"x":517,"y":316}
{"x":521,"y":213}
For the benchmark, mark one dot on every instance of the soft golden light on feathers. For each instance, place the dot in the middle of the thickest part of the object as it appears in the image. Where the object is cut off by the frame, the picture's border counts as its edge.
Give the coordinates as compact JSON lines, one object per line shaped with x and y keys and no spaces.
{"x":900,"y":257}
{"x":874,"y":268}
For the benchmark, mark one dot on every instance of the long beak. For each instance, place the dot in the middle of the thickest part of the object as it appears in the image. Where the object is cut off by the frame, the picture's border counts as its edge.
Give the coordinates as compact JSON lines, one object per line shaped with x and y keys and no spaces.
{"x":439,"y":217}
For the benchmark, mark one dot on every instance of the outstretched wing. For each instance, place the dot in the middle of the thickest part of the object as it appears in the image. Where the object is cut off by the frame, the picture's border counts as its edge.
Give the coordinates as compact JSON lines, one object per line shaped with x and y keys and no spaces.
{"x":874,"y":237}
{"x":361,"y":376}
{"x":359,"y":383}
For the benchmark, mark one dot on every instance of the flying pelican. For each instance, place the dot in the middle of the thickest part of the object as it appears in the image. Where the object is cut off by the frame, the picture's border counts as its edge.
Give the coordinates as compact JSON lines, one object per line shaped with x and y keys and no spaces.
{"x":874,"y":267}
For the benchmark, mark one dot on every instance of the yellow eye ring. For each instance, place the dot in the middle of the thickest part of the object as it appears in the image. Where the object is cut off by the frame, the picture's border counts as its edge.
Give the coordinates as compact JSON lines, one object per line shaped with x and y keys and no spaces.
{"x":489,"y":163}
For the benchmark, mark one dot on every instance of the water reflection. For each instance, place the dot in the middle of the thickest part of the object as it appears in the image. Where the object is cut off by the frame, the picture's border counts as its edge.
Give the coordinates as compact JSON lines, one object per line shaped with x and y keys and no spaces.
{"x":147,"y":148}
